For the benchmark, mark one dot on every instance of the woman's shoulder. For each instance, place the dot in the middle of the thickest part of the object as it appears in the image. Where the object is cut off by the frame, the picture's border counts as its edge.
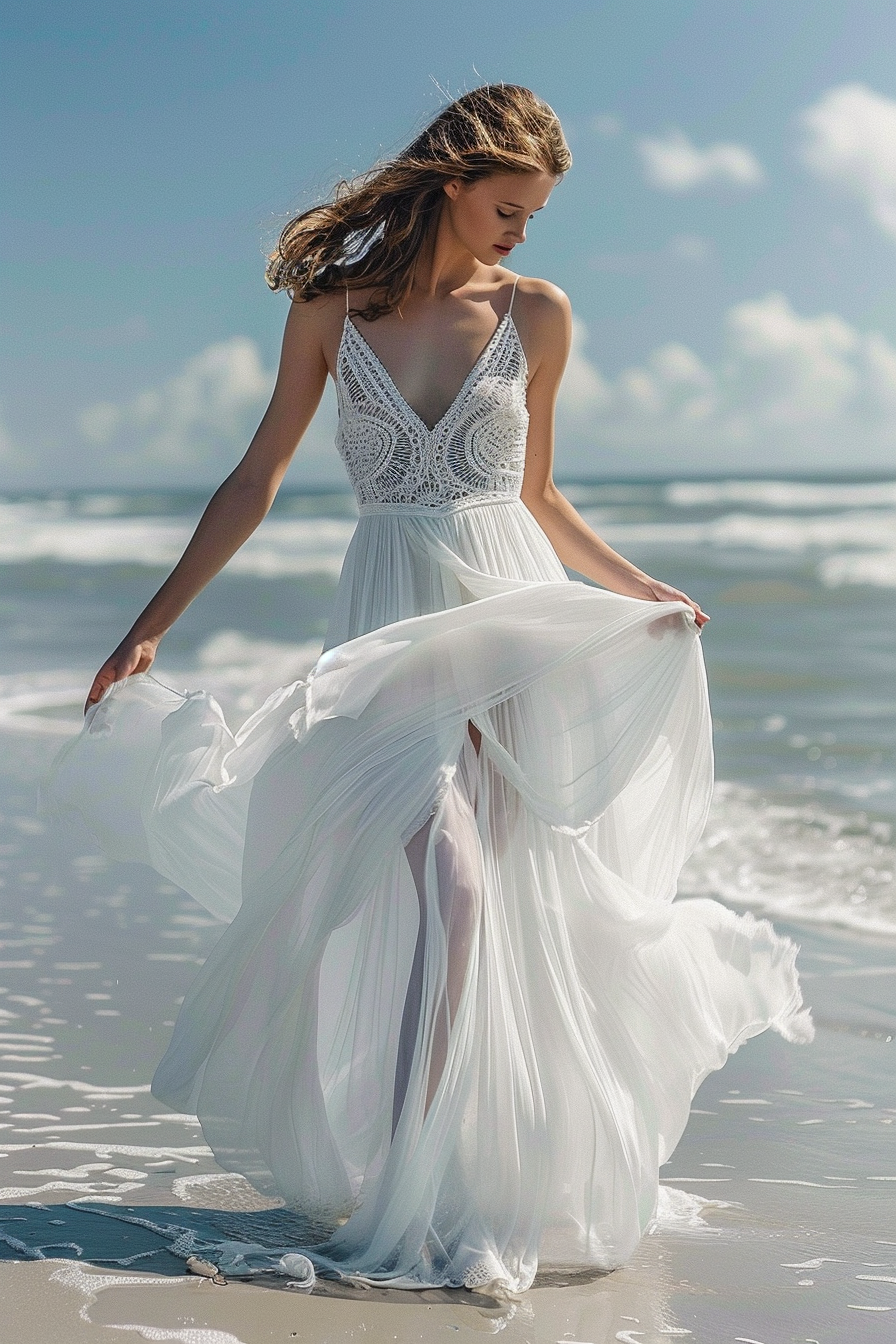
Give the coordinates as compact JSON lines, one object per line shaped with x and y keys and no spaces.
{"x":541,"y":293}
{"x":315,"y":327}
{"x":543,"y":307}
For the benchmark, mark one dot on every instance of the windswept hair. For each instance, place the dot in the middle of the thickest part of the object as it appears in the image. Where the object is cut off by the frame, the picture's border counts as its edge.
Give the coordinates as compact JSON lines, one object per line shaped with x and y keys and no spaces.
{"x":370,"y":233}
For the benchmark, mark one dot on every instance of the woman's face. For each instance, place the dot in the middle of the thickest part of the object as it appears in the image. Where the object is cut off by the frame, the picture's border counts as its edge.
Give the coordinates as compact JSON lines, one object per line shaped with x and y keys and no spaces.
{"x":489,"y":216}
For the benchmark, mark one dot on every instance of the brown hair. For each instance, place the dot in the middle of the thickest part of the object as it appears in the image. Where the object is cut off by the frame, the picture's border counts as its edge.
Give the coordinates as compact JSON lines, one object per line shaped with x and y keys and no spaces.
{"x":371,"y":231}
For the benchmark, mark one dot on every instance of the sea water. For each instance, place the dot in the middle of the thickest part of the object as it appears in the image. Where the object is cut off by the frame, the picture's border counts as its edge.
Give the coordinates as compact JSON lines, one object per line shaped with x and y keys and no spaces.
{"x":95,"y":958}
{"x":799,"y":577}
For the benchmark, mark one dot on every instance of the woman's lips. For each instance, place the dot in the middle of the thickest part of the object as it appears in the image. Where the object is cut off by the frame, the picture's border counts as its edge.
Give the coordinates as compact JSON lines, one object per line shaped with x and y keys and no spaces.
{"x":505,"y":250}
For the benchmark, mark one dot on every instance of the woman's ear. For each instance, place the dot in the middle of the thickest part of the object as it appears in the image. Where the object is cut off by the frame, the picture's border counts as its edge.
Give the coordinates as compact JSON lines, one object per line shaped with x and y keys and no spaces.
{"x":452,"y":188}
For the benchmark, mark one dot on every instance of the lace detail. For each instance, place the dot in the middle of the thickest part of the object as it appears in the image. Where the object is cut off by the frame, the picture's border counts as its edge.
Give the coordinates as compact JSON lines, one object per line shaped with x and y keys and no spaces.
{"x":476,"y":450}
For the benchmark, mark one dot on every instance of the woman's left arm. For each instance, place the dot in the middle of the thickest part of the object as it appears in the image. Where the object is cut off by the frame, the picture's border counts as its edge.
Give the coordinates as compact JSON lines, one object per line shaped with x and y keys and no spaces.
{"x":549,"y":329}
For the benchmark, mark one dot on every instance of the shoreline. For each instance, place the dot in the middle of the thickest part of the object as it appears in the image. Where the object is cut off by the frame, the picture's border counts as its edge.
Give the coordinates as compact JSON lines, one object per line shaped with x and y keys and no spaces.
{"x":785,"y":1222}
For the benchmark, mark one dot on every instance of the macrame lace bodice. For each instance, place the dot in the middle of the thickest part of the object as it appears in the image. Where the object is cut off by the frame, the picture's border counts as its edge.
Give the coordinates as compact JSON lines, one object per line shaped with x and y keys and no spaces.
{"x":475,"y":451}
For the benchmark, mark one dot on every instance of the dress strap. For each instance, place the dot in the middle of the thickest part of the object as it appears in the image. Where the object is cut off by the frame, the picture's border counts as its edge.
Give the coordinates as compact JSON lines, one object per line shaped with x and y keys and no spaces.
{"x":346,"y":300}
{"x":512,"y":295}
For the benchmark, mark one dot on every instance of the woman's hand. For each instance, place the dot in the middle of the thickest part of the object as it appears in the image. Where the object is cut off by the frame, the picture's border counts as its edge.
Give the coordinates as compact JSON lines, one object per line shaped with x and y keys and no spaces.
{"x":663,"y":592}
{"x":131,"y":656}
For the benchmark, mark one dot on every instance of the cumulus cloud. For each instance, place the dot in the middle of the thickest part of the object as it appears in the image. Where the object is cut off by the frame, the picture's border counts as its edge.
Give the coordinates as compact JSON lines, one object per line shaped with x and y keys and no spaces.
{"x":194,"y":415}
{"x":672,"y":162}
{"x":583,"y":390}
{"x":787,"y":391}
{"x":850,"y":141}
{"x":199,"y":422}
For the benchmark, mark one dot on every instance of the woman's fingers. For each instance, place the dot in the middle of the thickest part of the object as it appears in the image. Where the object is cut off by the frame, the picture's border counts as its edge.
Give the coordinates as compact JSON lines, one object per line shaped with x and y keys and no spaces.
{"x":700,"y":617}
{"x":123,"y":663}
{"x":664,"y":592}
{"x":101,"y":683}
{"x":106,"y":677}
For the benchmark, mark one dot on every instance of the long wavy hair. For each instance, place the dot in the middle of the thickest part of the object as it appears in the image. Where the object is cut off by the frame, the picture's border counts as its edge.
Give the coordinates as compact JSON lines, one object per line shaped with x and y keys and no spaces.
{"x":369,"y":234}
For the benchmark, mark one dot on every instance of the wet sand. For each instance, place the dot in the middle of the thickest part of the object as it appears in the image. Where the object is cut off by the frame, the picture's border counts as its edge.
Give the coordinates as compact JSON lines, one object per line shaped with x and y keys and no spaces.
{"x":785,"y":1228}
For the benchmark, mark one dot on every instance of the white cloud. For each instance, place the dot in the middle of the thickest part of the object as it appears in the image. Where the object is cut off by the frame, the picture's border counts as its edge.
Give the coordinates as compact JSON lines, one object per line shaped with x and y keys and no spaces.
{"x":197,"y":424}
{"x":202,"y":411}
{"x":583,"y":389}
{"x":850,"y":141}
{"x":673,"y":163}
{"x":787,"y":391}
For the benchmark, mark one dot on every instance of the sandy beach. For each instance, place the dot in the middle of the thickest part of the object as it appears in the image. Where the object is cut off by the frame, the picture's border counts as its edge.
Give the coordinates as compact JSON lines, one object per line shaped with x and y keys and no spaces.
{"x":778,"y":1222}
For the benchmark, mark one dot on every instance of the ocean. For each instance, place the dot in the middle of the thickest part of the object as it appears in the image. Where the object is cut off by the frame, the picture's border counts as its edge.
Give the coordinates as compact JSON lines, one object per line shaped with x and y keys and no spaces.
{"x":799,"y":577}
{"x":776,"y":1218}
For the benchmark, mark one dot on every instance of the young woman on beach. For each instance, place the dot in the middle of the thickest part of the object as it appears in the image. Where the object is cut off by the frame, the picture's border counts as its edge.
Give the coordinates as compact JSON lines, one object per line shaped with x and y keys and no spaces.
{"x":455,"y":1021}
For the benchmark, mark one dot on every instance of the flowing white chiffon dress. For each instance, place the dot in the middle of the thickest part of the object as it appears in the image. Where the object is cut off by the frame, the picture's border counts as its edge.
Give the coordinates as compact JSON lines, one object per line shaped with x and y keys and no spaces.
{"x":456,"y":1020}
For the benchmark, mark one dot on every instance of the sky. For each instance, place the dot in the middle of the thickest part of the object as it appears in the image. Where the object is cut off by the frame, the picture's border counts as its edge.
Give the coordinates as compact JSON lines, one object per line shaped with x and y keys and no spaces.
{"x":727,"y":233}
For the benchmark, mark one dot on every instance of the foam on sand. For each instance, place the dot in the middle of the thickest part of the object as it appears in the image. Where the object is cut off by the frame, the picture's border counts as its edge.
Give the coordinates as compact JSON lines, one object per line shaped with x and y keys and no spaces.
{"x":796,"y":861}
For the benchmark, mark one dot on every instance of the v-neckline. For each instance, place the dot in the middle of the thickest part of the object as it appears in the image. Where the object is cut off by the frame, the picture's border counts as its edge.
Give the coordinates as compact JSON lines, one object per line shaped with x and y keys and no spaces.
{"x":460,"y":391}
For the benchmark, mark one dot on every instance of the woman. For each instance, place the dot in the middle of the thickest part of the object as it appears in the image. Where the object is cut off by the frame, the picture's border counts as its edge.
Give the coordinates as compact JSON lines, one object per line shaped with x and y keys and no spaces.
{"x":455,"y":1021}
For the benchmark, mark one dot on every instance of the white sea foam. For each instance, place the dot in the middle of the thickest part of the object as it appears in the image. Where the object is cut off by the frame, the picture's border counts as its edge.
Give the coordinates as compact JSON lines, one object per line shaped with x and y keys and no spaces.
{"x":877,"y":569}
{"x":783,"y":494}
{"x":236,"y":668}
{"x":89,"y":1284}
{"x":680,"y":1209}
{"x":233,"y":664}
{"x":73,"y":1187}
{"x":27,"y":1081}
{"x":854,"y":547}
{"x":184,"y":1334}
{"x":765,"y":532}
{"x":189,"y":1153}
{"x":852,"y":527}
{"x":799,"y":862}
{"x":281,"y":547}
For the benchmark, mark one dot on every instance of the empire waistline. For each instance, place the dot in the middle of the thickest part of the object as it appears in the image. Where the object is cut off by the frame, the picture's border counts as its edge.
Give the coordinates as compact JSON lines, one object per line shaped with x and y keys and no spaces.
{"x":438,"y":510}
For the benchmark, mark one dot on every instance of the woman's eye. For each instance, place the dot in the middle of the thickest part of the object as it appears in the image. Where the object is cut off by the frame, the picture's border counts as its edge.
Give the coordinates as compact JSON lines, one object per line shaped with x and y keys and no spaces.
{"x":502,"y":215}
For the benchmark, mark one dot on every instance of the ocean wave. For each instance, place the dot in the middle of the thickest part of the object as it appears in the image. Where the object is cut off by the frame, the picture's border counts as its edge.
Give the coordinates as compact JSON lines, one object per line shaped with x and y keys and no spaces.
{"x":862,"y":530}
{"x":782,"y":494}
{"x":854,"y":545}
{"x":861,"y":544}
{"x":281,"y":547}
{"x":240,"y":671}
{"x":796,"y":861}
{"x":876,"y":569}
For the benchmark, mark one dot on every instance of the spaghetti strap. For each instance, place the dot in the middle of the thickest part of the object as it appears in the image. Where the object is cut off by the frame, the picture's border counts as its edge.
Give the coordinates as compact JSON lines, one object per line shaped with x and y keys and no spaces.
{"x":512,"y":295}
{"x":346,"y":300}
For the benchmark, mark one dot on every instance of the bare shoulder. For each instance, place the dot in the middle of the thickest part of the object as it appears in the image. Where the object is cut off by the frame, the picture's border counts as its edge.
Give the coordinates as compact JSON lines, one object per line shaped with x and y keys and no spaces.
{"x":316,"y":324}
{"x":544,"y":318}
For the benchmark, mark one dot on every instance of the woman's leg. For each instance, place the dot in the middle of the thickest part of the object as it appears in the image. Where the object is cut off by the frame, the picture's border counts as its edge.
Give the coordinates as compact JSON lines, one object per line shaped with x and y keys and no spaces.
{"x":458,"y":876}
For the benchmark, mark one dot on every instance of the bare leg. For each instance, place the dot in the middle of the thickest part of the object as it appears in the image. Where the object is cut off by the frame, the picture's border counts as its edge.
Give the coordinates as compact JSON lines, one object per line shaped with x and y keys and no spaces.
{"x":415,"y":850}
{"x":459,"y":887}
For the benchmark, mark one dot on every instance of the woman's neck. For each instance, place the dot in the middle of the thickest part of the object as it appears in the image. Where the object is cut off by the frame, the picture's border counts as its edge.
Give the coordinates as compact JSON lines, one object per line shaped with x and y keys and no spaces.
{"x":443,"y":264}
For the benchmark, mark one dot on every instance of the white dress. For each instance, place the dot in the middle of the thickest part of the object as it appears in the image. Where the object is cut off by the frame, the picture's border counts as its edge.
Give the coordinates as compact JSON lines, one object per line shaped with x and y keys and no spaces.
{"x":534,"y":1039}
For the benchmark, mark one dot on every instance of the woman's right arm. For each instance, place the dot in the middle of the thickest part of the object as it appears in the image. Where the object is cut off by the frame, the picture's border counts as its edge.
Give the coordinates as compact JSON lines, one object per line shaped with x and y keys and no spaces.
{"x":239,"y":505}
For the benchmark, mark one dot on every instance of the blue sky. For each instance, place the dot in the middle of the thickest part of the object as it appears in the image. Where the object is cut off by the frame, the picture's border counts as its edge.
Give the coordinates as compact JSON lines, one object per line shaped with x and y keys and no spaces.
{"x":727,"y":234}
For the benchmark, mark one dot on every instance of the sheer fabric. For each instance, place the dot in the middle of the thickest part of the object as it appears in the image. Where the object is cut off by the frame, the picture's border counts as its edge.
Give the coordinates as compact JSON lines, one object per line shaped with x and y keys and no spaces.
{"x":456,"y":1019}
